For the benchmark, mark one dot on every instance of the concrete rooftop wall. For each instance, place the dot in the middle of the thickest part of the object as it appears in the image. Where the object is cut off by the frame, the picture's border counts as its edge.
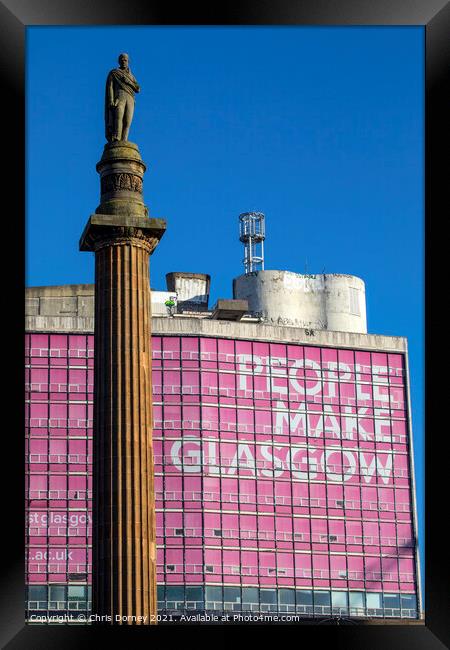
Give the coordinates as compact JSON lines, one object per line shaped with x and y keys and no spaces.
{"x":70,"y":308}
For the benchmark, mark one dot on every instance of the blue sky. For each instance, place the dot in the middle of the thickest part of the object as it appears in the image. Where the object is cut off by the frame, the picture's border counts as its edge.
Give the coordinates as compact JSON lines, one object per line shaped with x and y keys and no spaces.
{"x":319,"y":128}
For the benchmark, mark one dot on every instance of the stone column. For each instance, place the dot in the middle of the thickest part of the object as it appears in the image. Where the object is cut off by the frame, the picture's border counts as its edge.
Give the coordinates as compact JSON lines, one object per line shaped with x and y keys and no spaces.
{"x":124,"y":532}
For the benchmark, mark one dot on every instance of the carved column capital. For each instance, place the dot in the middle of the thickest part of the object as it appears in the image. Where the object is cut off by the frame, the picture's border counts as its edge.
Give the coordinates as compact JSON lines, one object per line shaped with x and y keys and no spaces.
{"x":113,"y":230}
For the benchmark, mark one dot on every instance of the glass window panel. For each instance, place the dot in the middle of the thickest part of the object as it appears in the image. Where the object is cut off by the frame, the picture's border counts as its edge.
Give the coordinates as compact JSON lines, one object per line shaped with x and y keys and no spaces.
{"x":194,"y":593}
{"x":175,"y":593}
{"x":357,"y":599}
{"x":214,"y":593}
{"x":250,"y":595}
{"x":37,"y":592}
{"x":58,"y":447}
{"x":76,"y":592}
{"x":339,"y":598}
{"x":322,"y":598}
{"x":232,"y":594}
{"x":57,"y":593}
{"x":409,"y":602}
{"x":373,"y":601}
{"x":38,"y":446}
{"x":268,"y":596}
{"x":286,"y":596}
{"x":304,"y":597}
{"x":391,"y":601}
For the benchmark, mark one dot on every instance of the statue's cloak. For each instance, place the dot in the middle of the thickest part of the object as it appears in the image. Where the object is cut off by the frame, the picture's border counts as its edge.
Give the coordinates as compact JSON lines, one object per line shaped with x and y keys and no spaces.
{"x":117,"y":78}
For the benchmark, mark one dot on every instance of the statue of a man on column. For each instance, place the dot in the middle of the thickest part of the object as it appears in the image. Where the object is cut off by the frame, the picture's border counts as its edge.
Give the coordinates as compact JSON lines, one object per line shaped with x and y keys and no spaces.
{"x":119,"y":101}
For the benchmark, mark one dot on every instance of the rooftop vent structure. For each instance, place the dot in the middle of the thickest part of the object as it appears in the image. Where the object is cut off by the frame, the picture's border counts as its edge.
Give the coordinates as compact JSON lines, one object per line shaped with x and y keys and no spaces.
{"x":192,"y":290}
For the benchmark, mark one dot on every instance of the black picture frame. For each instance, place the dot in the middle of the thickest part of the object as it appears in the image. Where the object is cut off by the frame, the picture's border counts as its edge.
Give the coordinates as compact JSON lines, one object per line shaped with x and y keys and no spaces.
{"x":15,"y":16}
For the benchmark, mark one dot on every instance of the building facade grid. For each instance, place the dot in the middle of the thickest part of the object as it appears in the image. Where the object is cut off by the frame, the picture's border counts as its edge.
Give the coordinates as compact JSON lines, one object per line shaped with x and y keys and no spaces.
{"x":282,"y":477}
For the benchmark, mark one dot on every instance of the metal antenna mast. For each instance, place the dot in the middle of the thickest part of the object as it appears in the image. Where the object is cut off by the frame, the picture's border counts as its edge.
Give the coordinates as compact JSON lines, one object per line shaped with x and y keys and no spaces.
{"x":252,"y":235}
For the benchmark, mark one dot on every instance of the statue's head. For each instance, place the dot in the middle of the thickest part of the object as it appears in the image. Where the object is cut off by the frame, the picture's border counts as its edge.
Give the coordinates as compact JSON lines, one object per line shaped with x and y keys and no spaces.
{"x":123,"y":60}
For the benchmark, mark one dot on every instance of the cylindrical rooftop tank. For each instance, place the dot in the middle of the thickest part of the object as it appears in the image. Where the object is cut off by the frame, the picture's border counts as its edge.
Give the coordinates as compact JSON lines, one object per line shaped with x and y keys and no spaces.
{"x":326,"y":301}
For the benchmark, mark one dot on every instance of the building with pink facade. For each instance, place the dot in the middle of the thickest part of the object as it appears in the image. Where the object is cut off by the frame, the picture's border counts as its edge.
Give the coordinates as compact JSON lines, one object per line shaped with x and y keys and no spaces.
{"x":283,"y":462}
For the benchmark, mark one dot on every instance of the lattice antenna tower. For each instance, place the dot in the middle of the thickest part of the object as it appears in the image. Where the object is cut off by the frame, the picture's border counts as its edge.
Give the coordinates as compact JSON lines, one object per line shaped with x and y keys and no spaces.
{"x":252,"y":235}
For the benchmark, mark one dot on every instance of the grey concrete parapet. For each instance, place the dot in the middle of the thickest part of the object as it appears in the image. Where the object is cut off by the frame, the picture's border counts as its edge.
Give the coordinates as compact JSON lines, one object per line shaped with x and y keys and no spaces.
{"x":60,"y":290}
{"x":62,"y":307}
{"x":60,"y":324}
{"x":281,"y":334}
{"x":56,"y":319}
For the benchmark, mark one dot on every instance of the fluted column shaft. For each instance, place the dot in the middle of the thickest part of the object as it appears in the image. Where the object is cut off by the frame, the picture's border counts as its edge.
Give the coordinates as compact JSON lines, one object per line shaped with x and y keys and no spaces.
{"x":124,"y":534}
